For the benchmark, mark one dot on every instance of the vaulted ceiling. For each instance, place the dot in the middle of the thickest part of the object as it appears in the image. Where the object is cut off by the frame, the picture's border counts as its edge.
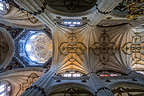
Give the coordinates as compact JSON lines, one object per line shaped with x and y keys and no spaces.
{"x":85,"y":47}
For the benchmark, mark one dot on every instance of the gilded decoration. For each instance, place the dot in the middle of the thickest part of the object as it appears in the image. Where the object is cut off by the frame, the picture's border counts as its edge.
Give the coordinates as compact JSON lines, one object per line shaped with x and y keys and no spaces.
{"x":72,"y":50}
{"x":123,"y":91}
{"x":27,"y":83}
{"x":135,"y":49}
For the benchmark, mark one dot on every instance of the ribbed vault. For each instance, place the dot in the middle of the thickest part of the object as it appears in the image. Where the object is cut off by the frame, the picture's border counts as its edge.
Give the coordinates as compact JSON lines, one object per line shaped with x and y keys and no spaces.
{"x":135,"y":49}
{"x":92,"y":49}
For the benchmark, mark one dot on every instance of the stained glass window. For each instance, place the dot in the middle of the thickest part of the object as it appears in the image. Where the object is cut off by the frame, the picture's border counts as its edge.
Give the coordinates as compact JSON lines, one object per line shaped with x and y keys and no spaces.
{"x":108,"y":74}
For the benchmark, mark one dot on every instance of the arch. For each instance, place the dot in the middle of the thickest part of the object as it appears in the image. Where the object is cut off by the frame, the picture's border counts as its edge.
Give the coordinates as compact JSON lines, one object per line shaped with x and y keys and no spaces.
{"x":127,"y":88}
{"x":126,"y":83}
{"x":69,"y":85}
{"x":7,"y":47}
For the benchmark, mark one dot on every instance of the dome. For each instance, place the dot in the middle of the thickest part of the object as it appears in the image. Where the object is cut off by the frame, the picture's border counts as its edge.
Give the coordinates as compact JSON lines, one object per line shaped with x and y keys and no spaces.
{"x":39,"y":47}
{"x":33,"y":47}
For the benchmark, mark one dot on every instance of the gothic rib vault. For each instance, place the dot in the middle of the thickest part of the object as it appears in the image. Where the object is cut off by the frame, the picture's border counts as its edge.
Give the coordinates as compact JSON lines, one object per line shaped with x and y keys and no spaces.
{"x":99,"y":57}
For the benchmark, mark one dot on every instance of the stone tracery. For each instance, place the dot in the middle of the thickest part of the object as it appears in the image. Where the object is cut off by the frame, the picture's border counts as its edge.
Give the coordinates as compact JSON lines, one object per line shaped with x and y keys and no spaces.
{"x":103,"y":55}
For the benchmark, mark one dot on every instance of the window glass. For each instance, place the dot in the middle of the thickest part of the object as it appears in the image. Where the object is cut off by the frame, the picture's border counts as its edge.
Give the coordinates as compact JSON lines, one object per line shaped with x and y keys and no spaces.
{"x":5,"y":88}
{"x":72,"y":74}
{"x":3,"y":7}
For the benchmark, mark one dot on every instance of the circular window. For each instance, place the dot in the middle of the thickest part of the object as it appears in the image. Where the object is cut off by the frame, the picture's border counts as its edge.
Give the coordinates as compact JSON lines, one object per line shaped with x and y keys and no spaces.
{"x":3,"y":7}
{"x":5,"y":88}
{"x":38,"y":47}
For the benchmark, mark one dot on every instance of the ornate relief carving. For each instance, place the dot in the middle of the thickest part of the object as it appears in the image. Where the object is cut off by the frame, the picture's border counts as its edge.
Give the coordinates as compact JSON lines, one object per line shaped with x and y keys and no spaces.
{"x":135,"y":48}
{"x":27,"y":83}
{"x":73,"y":49}
{"x":130,"y":9}
{"x":104,"y":48}
{"x":104,"y":92}
{"x":30,"y":17}
{"x":71,"y":91}
{"x":121,"y":91}
{"x":72,"y":46}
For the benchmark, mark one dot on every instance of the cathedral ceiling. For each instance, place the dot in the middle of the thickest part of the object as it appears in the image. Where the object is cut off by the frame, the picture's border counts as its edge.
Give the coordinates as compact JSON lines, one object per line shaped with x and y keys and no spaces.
{"x":92,"y":49}
{"x":67,"y":36}
{"x":72,"y":45}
